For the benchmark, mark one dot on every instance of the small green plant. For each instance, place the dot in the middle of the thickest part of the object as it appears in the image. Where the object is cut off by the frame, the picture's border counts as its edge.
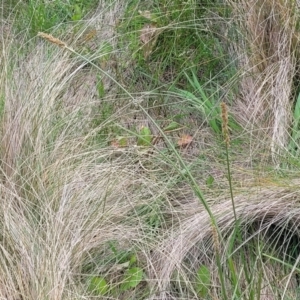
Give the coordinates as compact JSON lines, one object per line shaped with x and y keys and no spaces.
{"x":132,"y":277}
{"x":202,"y":281}
{"x":98,"y":286}
{"x":144,"y":137}
{"x":77,"y":12}
{"x":168,"y":37}
{"x":173,"y":125}
{"x":210,"y":181}
{"x":39,"y":15}
{"x":206,"y":105}
{"x":133,"y":274}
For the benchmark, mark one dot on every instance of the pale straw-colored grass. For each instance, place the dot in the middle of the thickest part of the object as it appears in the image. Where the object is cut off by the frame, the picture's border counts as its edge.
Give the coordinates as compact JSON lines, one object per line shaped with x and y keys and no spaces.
{"x":266,"y":52}
{"x":195,"y":238}
{"x":63,"y":197}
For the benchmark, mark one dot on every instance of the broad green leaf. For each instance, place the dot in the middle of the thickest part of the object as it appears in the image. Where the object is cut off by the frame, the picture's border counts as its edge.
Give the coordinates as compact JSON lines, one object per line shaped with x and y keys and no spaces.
{"x":213,"y":124}
{"x":172,"y":126}
{"x":202,"y":281}
{"x":195,"y":83}
{"x":145,"y":137}
{"x":133,"y":260}
{"x":132,"y":278}
{"x":122,"y":141}
{"x":192,"y":98}
{"x":98,"y":285}
{"x":209,"y":181}
{"x":77,"y":13}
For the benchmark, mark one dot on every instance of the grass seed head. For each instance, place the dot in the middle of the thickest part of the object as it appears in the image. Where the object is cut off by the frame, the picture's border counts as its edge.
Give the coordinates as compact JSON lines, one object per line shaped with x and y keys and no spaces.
{"x":224,"y":116}
{"x":52,"y":39}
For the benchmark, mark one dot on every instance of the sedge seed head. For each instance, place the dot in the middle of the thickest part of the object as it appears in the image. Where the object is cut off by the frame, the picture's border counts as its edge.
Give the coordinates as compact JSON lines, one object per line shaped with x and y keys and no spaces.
{"x":216,"y":241}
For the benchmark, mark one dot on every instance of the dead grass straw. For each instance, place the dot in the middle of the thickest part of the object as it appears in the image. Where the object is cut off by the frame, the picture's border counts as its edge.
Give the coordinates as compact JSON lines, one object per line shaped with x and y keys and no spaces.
{"x":265,"y":207}
{"x":267,"y":52}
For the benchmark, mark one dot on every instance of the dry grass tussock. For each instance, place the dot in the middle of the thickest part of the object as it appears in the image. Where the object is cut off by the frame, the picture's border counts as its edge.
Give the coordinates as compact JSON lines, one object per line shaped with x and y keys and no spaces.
{"x":194,"y":242}
{"x":266,"y":53}
{"x":63,"y":198}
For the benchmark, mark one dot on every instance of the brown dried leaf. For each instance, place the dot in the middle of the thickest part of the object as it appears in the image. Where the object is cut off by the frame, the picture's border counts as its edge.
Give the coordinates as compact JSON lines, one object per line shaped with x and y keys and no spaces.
{"x":184,"y":140}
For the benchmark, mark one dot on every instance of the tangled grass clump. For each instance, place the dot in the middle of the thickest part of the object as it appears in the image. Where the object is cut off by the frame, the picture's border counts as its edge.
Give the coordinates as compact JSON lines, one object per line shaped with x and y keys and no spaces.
{"x":111,"y":193}
{"x":269,"y":226}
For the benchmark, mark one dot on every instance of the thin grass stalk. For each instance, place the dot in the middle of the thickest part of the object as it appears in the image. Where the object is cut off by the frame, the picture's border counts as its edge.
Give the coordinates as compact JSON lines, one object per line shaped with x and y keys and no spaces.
{"x":225,"y":131}
{"x":259,"y":285}
{"x":216,"y":242}
{"x":224,"y":115}
{"x":234,"y":276}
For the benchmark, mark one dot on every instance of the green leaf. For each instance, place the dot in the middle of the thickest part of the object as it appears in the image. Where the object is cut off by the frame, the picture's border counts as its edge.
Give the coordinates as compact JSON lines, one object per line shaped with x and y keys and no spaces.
{"x":100,"y":87}
{"x":214,"y":125}
{"x":122,"y":141}
{"x":77,"y":13}
{"x":145,"y":137}
{"x":192,"y":98}
{"x":132,"y":278}
{"x":282,"y":262}
{"x":133,"y":260}
{"x":202,"y":281}
{"x":98,"y":285}
{"x":172,"y":126}
{"x":209,"y":181}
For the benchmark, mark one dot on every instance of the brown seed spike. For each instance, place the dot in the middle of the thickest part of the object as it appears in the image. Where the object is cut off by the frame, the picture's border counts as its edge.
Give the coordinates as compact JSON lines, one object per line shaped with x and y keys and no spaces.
{"x":216,"y":241}
{"x":52,"y":39}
